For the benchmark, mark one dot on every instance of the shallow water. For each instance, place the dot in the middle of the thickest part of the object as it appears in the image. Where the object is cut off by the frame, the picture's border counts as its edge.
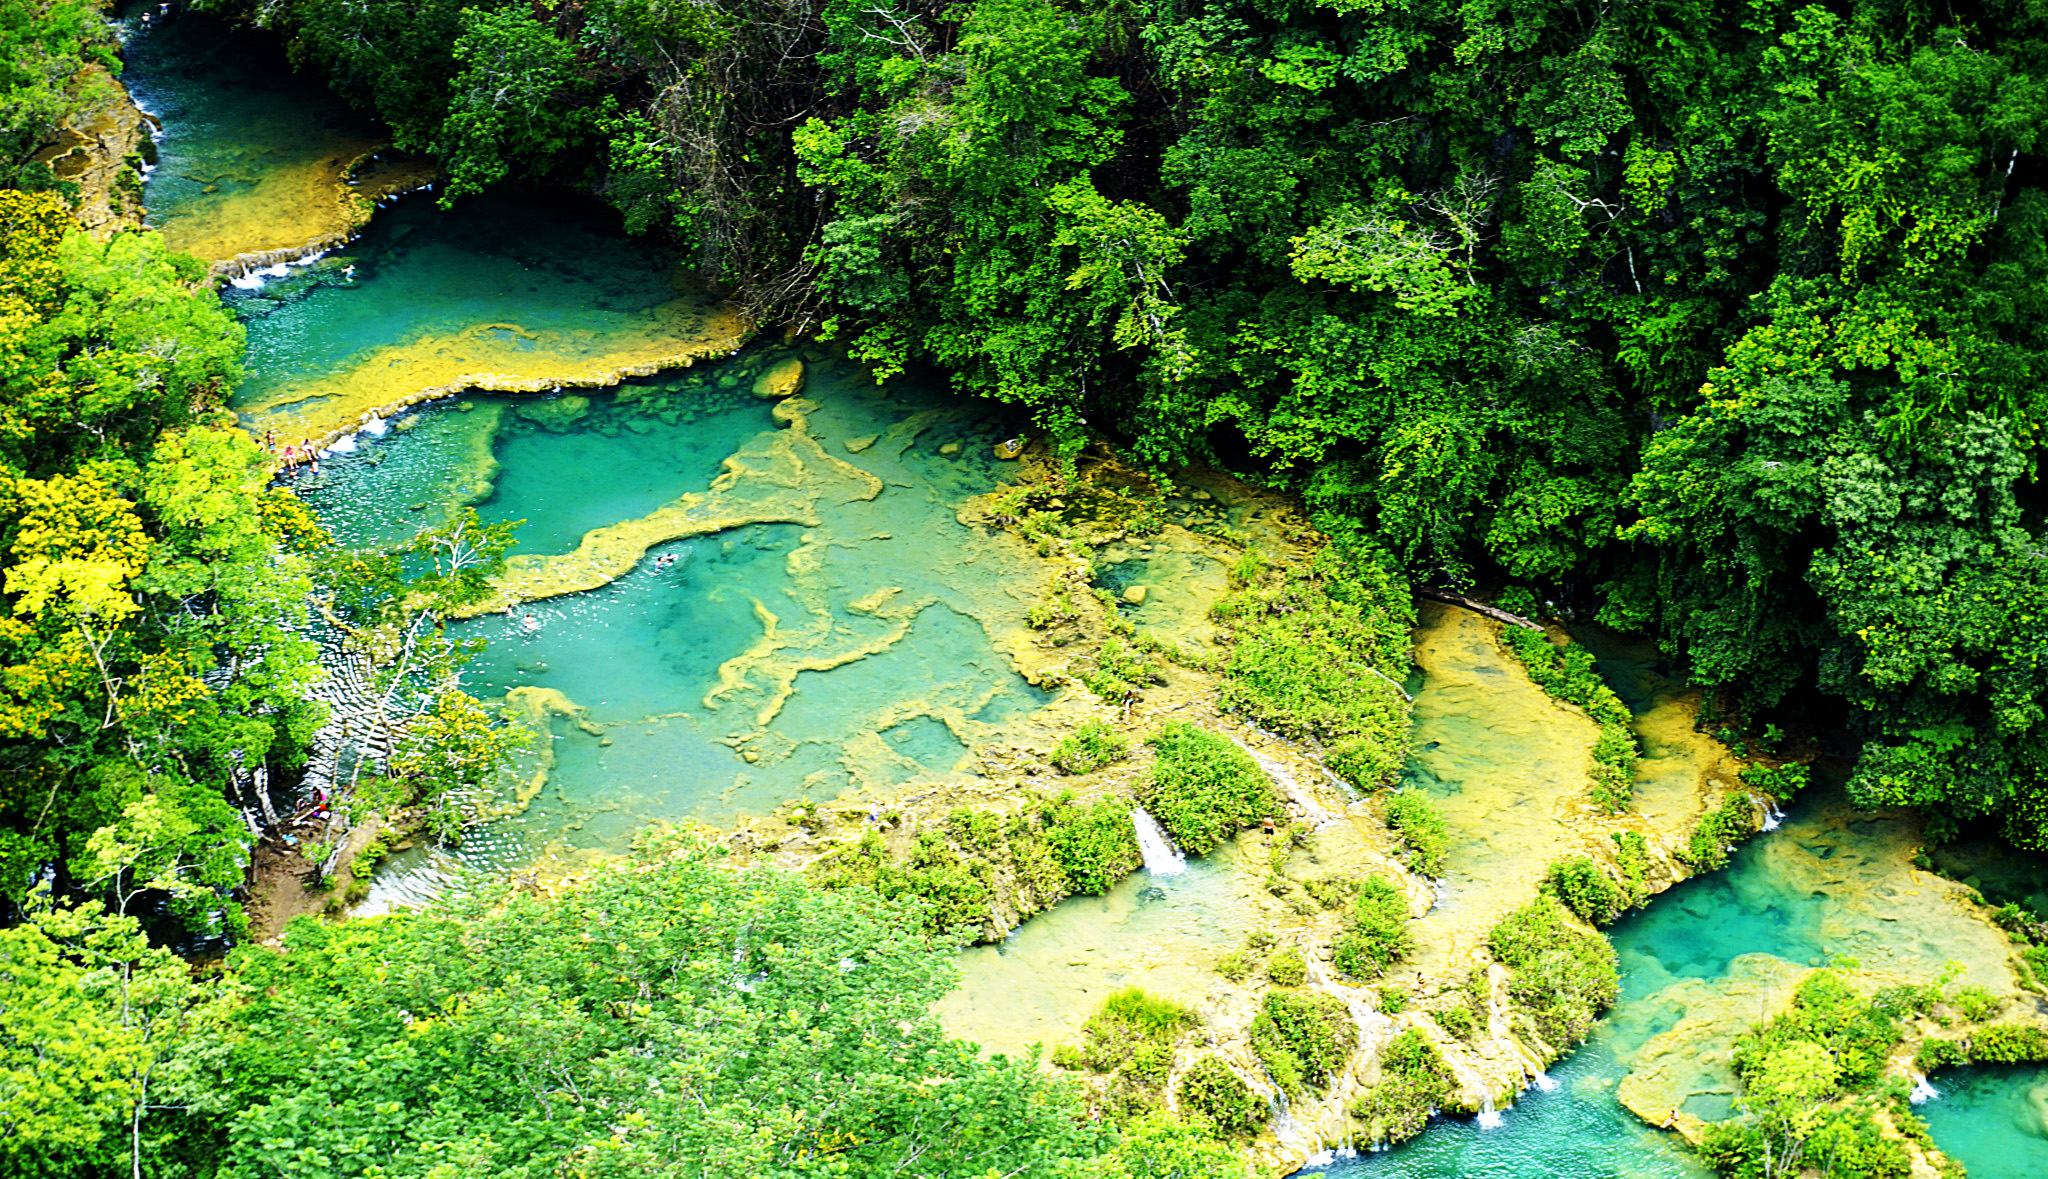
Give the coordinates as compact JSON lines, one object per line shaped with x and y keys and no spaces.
{"x":1993,"y":1119}
{"x":253,"y":152}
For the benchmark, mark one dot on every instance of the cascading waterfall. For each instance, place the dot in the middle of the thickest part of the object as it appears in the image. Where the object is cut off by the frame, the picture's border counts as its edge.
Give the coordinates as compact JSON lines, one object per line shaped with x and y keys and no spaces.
{"x":1544,"y":1082}
{"x":1772,"y":815}
{"x":1922,"y":1091}
{"x":1489,"y":1117}
{"x":1161,"y":857}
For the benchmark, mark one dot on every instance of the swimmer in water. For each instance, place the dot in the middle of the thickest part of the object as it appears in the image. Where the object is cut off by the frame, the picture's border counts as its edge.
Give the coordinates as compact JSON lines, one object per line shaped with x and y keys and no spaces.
{"x":530,"y":624}
{"x":349,"y":271}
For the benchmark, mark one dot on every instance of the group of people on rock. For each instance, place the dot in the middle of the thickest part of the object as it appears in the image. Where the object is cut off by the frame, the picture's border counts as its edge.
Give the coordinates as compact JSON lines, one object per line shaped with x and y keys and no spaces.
{"x":304,"y":452}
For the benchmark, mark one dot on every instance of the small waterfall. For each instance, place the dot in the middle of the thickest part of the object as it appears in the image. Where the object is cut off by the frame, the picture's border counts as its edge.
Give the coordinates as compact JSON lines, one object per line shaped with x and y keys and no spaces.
{"x":1544,"y":1082}
{"x":374,"y":426}
{"x":1489,"y":1117}
{"x":1922,"y":1091}
{"x":1772,"y":815}
{"x":1161,"y":857}
{"x":1301,"y":800}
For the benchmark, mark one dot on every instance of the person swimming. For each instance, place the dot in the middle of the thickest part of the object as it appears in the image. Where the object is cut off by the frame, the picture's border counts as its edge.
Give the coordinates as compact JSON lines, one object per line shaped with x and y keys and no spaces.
{"x":530,"y":624}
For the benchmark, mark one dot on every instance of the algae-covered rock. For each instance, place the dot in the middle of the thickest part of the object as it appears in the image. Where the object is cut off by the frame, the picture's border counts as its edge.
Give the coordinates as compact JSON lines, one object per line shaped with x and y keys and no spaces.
{"x":856,"y":445}
{"x":950,"y":449}
{"x":1135,"y":594}
{"x":783,"y":379}
{"x":791,"y":411}
{"x":557,"y":414}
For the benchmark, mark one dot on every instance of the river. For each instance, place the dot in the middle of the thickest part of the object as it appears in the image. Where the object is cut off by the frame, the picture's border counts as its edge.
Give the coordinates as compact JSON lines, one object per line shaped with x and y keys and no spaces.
{"x":827,"y":626}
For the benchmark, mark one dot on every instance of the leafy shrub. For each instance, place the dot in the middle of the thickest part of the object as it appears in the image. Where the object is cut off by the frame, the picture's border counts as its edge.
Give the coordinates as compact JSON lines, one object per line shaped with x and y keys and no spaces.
{"x":1420,"y":827}
{"x":1562,"y":976}
{"x":1393,"y":999}
{"x":1331,"y":892}
{"x":1458,"y":1021}
{"x":1632,"y":856}
{"x":1778,"y":783}
{"x":1306,"y":650}
{"x":1936,"y":1054}
{"x":1717,"y":831}
{"x":1976,"y":1003}
{"x":1303,"y":1038}
{"x":1118,"y":671}
{"x":1261,"y":939}
{"x":1211,"y":1089}
{"x":1287,"y":967}
{"x":1568,"y":673}
{"x":1094,"y":845}
{"x":1413,"y":1081}
{"x":2008,"y":1043}
{"x":1586,"y":889}
{"x":953,"y":892}
{"x":1235,"y":966}
{"x":1132,"y":1032}
{"x":1376,"y":933}
{"x":1204,"y":789}
{"x":1856,"y":1034}
{"x":1092,"y":745}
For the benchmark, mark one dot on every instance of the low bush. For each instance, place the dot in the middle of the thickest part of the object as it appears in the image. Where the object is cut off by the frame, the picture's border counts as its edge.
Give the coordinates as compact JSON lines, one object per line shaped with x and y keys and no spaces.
{"x":1331,"y":892}
{"x":1303,"y":1038}
{"x":1118,"y":671}
{"x":1568,"y":673}
{"x":1211,"y":1089}
{"x":1458,"y":1021}
{"x":1420,"y":827}
{"x":1092,"y":745}
{"x":1413,"y":1081}
{"x":1632,"y":857}
{"x":1778,"y":783}
{"x":1376,"y":933}
{"x":1203,"y":789}
{"x":1132,"y":1032}
{"x":1094,"y":845}
{"x":1718,"y":831}
{"x":1287,"y":967}
{"x":1235,"y":966}
{"x":1586,"y":889}
{"x":1563,"y":977}
{"x":1976,"y":1003}
{"x":2008,"y":1043}
{"x":1856,"y":1034}
{"x":1306,"y":649}
{"x":1393,"y":999}
{"x":953,"y":891}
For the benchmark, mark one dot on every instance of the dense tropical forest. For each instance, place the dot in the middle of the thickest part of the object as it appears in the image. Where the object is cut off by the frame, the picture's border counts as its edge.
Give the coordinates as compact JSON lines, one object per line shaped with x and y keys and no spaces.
{"x":1718,"y":323}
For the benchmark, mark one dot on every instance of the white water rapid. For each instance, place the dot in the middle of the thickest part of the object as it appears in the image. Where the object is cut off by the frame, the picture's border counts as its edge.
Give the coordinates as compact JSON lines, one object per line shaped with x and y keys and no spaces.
{"x":1161,"y":857}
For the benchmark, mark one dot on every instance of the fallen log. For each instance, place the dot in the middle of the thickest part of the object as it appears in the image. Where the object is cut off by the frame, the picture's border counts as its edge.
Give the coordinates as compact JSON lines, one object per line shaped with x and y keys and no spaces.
{"x":1493,"y":612}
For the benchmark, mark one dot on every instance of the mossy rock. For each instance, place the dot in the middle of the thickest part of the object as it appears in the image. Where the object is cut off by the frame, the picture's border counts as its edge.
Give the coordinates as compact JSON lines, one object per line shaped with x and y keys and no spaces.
{"x":557,"y":414}
{"x":783,"y":379}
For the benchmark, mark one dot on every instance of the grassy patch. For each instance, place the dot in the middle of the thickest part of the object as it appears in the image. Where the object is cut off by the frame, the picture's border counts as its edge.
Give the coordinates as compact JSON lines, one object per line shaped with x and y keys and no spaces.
{"x":1130,"y":1038}
{"x":1376,"y":933}
{"x":1203,"y":789}
{"x":1587,"y":889}
{"x":1420,"y":827}
{"x":1562,"y":977}
{"x":1303,"y":1038}
{"x":1306,"y":649}
{"x":1413,"y":1081}
{"x":1091,"y":746}
{"x":1211,"y":1089}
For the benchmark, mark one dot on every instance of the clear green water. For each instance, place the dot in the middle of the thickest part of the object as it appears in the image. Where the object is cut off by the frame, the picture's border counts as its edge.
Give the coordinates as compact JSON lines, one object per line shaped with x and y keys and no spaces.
{"x":1993,"y":1119}
{"x":251,"y":150}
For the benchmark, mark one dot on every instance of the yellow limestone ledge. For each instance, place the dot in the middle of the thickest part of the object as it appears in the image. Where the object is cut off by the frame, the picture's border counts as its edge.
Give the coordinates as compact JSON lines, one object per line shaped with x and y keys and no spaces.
{"x":776,"y":478}
{"x":498,"y":358}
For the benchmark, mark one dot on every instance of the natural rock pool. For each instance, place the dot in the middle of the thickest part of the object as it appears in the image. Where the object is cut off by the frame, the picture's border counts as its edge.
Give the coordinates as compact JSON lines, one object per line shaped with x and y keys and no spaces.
{"x":739,"y":601}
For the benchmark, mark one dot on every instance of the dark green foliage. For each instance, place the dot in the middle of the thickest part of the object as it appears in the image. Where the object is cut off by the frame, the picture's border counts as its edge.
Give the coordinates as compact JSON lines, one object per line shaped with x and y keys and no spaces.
{"x":44,"y":47}
{"x":1132,"y":1035}
{"x":1717,"y":832}
{"x":1561,"y":976}
{"x":952,"y":891}
{"x":1424,"y":838}
{"x":1587,"y":889}
{"x":1287,"y":968}
{"x":2008,"y":1043}
{"x":1414,"y":1080}
{"x":1092,"y":745}
{"x":1568,"y":673}
{"x":736,"y":1018}
{"x":1856,"y":1034}
{"x":1303,"y":1038}
{"x":1203,"y":789}
{"x":1632,"y":856}
{"x":1210,"y":1089}
{"x":1376,"y":933}
{"x":1310,"y":656}
{"x":1935,"y":1054}
{"x":1778,"y":783}
{"x":1094,"y":845}
{"x":1459,"y":1021}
